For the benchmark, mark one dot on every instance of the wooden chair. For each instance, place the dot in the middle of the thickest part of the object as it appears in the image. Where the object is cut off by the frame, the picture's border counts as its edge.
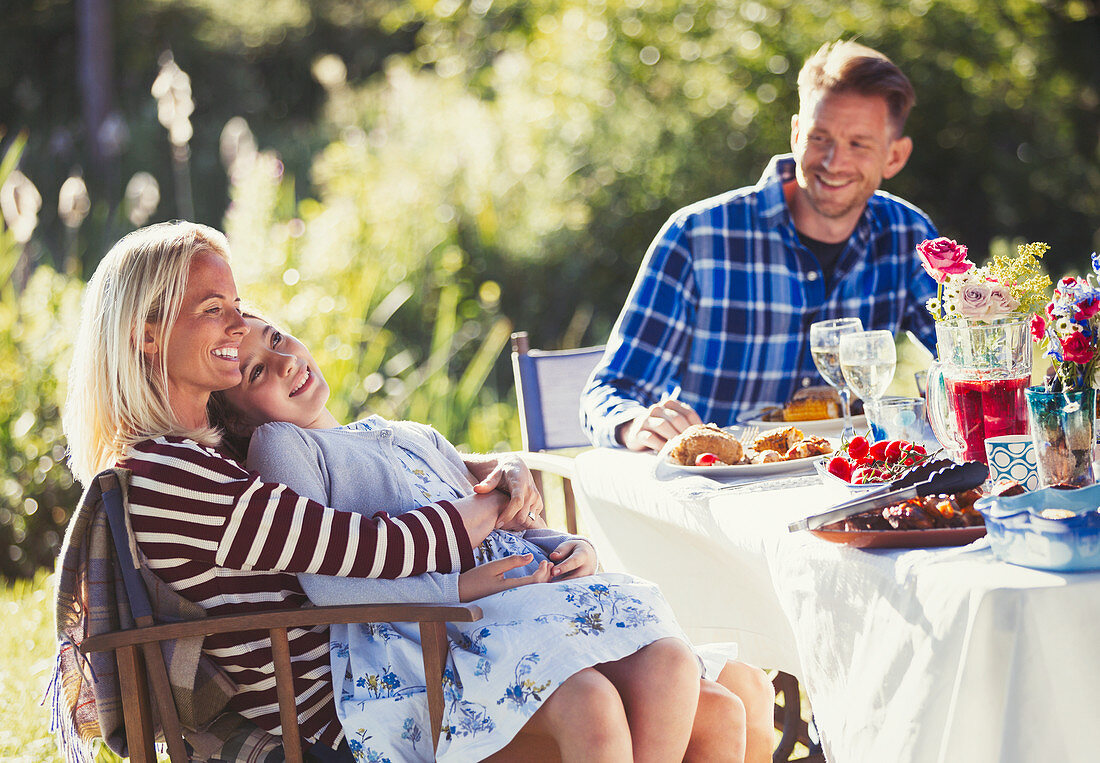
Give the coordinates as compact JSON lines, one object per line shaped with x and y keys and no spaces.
{"x":548,"y":389}
{"x":142,"y":672}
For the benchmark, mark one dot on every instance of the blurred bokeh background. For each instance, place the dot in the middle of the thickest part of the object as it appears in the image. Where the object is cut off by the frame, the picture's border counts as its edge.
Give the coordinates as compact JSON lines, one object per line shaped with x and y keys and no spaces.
{"x":404,"y":183}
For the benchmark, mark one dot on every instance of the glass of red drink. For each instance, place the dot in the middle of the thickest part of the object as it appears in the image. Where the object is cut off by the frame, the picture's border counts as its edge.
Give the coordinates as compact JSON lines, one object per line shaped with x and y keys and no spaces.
{"x":976,"y":386}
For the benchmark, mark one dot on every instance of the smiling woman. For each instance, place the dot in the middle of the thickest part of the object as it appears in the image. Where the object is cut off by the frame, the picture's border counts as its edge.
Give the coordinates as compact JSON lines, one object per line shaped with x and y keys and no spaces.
{"x":160,"y":331}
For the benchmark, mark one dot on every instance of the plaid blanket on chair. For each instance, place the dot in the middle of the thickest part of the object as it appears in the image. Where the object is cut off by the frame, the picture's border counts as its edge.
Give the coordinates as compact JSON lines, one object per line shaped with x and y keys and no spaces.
{"x":90,"y":599}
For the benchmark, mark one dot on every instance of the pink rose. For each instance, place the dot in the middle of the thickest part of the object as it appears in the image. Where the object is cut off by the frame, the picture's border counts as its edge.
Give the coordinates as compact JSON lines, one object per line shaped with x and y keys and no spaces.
{"x":941,"y":257}
{"x":1001,"y":300}
{"x":1038,"y":328}
{"x":1076,"y":348}
{"x":974,"y":300}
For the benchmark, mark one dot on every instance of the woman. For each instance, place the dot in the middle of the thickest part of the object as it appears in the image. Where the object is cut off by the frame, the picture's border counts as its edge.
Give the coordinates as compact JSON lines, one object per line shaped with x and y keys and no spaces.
{"x":569,"y":660}
{"x":159,"y":331}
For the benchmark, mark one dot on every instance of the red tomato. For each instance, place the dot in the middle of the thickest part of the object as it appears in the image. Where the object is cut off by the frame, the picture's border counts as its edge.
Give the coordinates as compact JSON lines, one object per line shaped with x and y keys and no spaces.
{"x":857,"y":447}
{"x":894,"y":450}
{"x":878,"y":450}
{"x":706,"y":459}
{"x":840,"y":467}
{"x":918,"y":449}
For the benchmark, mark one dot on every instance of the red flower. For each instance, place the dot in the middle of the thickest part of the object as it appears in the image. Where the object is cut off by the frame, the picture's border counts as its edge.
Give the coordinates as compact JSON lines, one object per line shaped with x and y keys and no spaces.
{"x":1087,"y":308}
{"x":1038,"y":327}
{"x":1076,"y":348}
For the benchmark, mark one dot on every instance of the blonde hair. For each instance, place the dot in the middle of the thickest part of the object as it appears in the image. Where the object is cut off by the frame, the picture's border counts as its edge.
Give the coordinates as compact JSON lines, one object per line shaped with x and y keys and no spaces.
{"x":116,"y":397}
{"x":846,"y":66}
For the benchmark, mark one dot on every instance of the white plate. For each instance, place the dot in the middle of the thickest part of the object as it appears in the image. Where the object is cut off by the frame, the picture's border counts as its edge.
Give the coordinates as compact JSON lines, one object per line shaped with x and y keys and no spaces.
{"x":668,"y":470}
{"x":739,"y":470}
{"x":818,"y":427}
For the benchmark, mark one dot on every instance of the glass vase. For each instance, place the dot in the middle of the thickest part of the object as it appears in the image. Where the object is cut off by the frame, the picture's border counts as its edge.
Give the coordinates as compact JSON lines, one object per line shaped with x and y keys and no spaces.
{"x":1062,"y":429}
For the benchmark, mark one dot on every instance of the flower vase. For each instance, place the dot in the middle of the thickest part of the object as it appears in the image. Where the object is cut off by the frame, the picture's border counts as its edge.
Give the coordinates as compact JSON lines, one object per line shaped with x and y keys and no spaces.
{"x":1062,"y":430}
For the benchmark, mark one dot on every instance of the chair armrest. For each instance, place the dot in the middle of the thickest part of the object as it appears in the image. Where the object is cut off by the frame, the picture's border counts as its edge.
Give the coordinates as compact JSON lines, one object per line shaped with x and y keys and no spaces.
{"x":563,"y":466}
{"x":285,"y":618}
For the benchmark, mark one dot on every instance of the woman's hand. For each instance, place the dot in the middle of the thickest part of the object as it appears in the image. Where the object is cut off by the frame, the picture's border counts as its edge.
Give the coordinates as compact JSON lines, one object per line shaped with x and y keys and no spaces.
{"x":479,"y":514}
{"x":573,"y":559}
{"x":510,"y":475}
{"x":489,"y":578}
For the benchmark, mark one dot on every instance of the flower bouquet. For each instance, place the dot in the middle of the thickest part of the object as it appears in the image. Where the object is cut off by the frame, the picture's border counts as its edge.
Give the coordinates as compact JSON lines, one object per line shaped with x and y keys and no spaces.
{"x":976,"y":386}
{"x":1061,"y":413}
{"x":1005,"y":286}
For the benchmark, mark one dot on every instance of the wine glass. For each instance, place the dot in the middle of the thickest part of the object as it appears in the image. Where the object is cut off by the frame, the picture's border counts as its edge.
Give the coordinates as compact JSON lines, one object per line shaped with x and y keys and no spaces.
{"x":825,"y":349}
{"x":868,"y":360}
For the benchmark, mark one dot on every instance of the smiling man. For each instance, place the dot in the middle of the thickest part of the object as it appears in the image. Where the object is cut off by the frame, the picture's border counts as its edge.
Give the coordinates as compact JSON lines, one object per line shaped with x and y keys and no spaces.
{"x":717,"y":322}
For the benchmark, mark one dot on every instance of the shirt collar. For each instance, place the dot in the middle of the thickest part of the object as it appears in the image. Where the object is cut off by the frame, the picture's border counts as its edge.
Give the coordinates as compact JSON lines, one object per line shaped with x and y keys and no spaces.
{"x":773,"y":202}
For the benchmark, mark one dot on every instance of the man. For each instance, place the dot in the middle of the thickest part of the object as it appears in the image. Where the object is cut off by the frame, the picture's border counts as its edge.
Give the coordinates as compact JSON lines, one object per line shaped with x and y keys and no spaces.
{"x":717,"y":322}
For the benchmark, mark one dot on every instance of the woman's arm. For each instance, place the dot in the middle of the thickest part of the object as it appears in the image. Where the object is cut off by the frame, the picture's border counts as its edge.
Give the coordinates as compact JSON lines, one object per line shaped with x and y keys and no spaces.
{"x":188,"y":502}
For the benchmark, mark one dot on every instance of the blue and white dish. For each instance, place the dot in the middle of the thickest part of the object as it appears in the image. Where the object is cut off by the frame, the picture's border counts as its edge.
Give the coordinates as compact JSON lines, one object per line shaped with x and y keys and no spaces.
{"x":1048,"y":529}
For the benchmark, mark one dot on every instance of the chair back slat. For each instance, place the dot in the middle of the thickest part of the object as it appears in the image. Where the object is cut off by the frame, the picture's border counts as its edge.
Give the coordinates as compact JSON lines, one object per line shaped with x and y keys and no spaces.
{"x":113,"y":505}
{"x":548,"y":389}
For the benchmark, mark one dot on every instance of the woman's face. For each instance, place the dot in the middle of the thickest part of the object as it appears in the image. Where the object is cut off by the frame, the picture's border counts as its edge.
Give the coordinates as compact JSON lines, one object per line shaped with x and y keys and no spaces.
{"x":202,"y":346}
{"x":280,"y":381}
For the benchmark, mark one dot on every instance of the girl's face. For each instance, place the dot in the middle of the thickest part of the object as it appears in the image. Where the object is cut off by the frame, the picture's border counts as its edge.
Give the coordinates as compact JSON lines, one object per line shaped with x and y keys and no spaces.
{"x":202,"y":346}
{"x":279,"y":381}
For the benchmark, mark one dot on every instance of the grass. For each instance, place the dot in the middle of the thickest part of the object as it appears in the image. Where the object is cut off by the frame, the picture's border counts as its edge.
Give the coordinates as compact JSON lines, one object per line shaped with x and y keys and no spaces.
{"x":26,"y":662}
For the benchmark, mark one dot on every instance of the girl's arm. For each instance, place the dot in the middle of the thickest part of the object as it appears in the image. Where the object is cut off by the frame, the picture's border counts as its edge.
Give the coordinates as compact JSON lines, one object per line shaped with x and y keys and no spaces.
{"x":281,"y":454}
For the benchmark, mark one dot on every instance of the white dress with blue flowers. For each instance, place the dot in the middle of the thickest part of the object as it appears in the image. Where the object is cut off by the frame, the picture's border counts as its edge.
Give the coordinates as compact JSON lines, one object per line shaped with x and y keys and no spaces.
{"x":501,"y":668}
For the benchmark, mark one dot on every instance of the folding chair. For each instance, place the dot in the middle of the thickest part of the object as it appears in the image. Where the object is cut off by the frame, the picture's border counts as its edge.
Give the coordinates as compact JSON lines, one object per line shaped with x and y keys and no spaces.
{"x":548,"y":389}
{"x":143,"y":677}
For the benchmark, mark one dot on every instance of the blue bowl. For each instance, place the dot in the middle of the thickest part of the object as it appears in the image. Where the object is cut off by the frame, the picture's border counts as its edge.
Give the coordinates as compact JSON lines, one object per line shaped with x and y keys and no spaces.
{"x":1019,"y":533}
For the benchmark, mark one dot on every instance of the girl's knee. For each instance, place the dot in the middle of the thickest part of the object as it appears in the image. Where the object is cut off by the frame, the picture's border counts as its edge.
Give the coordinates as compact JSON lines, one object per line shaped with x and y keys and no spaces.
{"x":721,"y":707}
{"x":671,"y":659}
{"x":748,"y":682}
{"x":588,"y":694}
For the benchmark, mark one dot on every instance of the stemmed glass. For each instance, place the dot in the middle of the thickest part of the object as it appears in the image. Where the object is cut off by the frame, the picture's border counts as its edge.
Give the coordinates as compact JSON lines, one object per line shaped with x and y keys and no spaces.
{"x":825,"y":349}
{"x":868,"y":360}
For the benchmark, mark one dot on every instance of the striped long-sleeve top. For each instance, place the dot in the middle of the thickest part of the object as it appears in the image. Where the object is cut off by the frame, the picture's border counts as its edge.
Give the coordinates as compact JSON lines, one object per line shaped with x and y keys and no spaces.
{"x":233,"y":544}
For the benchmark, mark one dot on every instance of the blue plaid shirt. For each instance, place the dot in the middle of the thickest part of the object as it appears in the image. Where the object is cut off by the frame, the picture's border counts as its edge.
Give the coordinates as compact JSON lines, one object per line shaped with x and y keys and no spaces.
{"x":725,"y":296}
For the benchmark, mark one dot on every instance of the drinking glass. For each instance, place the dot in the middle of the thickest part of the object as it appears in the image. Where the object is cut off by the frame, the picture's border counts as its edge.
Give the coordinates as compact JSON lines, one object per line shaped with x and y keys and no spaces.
{"x":868,"y":360}
{"x":825,"y":349}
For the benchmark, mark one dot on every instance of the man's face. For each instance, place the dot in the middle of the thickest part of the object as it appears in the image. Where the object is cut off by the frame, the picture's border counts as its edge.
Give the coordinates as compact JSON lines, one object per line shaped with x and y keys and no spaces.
{"x":844,"y":146}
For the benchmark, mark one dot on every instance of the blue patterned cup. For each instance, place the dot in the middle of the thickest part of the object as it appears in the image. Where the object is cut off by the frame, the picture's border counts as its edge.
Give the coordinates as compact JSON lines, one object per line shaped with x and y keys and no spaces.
{"x":1012,"y":457}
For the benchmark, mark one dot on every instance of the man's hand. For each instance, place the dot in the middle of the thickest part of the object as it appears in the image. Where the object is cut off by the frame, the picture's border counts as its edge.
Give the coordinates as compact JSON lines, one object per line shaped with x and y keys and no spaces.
{"x":657,"y":425}
{"x":510,"y":475}
{"x":573,"y":559}
{"x":489,"y":578}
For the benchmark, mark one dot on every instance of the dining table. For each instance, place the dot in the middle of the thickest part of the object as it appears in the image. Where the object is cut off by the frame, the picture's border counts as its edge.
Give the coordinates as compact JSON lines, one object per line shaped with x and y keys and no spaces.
{"x":941,"y":654}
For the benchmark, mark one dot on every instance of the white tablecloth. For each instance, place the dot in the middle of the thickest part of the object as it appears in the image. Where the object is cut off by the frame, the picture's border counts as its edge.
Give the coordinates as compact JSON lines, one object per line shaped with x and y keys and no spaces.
{"x":921,"y":655}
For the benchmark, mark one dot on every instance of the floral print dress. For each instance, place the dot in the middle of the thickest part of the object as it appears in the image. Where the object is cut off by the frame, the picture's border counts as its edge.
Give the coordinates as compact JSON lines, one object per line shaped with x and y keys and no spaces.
{"x":500,"y":669}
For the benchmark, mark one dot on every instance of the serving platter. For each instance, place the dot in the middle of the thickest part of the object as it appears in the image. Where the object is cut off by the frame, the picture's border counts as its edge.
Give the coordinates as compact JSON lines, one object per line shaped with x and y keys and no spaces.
{"x":948,"y":536}
{"x":818,"y":427}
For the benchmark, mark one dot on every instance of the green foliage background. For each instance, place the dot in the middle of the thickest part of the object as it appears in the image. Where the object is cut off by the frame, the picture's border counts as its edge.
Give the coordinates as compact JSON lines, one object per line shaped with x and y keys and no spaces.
{"x":421,"y":177}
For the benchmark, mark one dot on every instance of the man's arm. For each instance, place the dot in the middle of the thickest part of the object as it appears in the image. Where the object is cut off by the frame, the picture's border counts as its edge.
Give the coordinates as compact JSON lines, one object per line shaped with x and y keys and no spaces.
{"x":921,"y":288}
{"x":623,"y":403}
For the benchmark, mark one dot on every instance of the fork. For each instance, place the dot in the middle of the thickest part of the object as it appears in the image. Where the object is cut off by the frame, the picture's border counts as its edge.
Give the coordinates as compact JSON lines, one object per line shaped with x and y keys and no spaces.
{"x":748,"y":435}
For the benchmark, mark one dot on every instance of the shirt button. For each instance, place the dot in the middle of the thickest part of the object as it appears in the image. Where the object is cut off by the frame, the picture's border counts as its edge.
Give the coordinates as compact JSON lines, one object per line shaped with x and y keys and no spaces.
{"x":811,"y":276}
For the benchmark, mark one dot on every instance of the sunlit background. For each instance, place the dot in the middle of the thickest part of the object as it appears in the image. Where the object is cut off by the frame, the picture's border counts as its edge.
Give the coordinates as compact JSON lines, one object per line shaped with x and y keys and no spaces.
{"x":404,"y":183}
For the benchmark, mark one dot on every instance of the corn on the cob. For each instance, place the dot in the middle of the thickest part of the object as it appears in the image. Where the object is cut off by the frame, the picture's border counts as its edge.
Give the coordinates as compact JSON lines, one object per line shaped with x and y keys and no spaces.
{"x":811,"y":410}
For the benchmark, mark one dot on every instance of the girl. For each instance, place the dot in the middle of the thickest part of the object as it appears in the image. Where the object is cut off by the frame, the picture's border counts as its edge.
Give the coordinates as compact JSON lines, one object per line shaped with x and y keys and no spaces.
{"x":595,"y":662}
{"x":160,"y":330}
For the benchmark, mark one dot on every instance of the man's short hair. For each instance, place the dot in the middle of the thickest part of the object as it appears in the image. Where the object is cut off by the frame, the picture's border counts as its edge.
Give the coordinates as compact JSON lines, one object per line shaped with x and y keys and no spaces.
{"x":845,"y":66}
